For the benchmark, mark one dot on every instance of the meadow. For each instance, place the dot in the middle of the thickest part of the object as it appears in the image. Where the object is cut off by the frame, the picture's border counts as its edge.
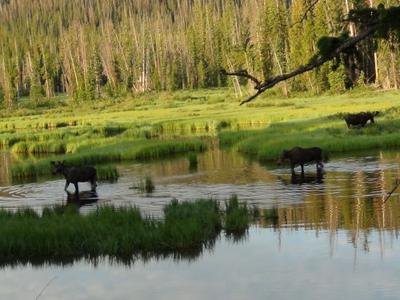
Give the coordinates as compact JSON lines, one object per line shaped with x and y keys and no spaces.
{"x":160,"y":125}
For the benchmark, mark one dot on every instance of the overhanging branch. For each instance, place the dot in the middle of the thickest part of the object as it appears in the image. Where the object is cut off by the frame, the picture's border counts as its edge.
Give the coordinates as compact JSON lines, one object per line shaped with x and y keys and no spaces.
{"x":271,"y":82}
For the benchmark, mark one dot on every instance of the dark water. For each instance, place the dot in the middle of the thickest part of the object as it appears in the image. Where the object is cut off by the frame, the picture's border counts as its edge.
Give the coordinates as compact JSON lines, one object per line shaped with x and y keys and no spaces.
{"x":327,"y":238}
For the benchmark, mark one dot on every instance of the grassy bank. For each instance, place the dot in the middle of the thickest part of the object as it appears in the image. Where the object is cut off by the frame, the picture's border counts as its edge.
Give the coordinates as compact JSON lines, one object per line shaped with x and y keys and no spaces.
{"x":110,"y":152}
{"x":161,"y":125}
{"x":329,"y":133}
{"x":62,"y":233}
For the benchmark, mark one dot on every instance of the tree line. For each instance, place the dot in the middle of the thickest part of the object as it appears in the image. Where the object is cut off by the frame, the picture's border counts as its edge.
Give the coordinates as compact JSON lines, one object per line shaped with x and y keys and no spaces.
{"x":92,"y":48}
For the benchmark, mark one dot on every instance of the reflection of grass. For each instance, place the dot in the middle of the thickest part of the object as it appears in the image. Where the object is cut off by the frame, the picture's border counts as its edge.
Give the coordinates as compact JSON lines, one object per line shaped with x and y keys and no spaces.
{"x":118,"y":232}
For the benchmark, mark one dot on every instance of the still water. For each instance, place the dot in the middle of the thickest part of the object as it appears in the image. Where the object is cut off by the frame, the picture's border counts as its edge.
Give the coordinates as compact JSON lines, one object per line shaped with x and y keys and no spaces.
{"x":326,"y":238}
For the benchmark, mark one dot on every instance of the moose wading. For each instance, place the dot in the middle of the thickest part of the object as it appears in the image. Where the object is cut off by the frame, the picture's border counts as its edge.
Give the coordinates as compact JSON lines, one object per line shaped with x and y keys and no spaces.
{"x":301,"y":156}
{"x":75,"y":174}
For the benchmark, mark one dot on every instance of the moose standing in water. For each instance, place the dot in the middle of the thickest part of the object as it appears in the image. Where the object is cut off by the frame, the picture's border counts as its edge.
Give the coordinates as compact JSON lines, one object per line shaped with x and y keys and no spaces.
{"x":75,"y":175}
{"x":301,"y":156}
{"x":360,"y":119}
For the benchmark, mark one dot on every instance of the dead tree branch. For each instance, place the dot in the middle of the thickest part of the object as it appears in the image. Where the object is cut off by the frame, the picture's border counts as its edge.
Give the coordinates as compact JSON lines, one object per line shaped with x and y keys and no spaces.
{"x":315,"y":63}
{"x":307,"y":11}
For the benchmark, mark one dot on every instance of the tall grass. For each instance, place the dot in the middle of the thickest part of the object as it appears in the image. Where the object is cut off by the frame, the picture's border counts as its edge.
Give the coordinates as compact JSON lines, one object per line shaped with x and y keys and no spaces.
{"x":145,"y":185}
{"x":237,"y":216}
{"x":62,"y":233}
{"x":330,"y":134}
{"x":32,"y":171}
{"x":117,"y":152}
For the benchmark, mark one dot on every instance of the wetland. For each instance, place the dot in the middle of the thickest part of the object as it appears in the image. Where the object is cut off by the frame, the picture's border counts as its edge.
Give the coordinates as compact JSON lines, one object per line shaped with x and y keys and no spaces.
{"x":283,"y":235}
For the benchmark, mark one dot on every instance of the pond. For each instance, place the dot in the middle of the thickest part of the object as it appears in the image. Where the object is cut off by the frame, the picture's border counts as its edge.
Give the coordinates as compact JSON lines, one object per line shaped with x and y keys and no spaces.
{"x":330,"y":237}
{"x":219,"y":174}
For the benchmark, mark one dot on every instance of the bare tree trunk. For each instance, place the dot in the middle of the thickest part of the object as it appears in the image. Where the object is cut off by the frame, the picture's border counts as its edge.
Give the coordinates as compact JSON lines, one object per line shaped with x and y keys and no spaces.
{"x":352,"y":27}
{"x":46,"y":74}
{"x":371,"y":4}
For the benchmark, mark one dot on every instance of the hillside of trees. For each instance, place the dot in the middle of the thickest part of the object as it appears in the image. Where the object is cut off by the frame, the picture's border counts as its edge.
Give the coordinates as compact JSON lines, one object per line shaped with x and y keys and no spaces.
{"x":90,"y":48}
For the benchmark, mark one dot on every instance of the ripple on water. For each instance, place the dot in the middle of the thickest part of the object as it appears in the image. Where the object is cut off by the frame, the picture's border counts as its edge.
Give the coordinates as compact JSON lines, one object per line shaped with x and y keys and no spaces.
{"x":219,"y":175}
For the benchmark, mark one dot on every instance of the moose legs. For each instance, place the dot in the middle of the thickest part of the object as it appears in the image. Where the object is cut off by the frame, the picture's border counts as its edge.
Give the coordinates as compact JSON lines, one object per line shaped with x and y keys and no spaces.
{"x":292,"y":166}
{"x":93,"y":184}
{"x":319,"y":165}
{"x":66,"y":186}
{"x":75,"y":184}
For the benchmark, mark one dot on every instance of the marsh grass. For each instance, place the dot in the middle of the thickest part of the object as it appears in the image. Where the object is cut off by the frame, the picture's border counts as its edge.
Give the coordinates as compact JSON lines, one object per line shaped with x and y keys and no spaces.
{"x":193,"y":161}
{"x":160,"y":125}
{"x":237,"y":217}
{"x":110,"y":153}
{"x":328,"y":133}
{"x":62,"y":233}
{"x":26,"y":172}
{"x":145,"y":185}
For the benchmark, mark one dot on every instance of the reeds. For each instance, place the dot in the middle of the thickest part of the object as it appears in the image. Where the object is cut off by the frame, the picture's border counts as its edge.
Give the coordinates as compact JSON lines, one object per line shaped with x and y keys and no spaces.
{"x":145,"y":185}
{"x":111,"y":153}
{"x":62,"y":233}
{"x":237,"y":216}
{"x":193,"y":161}
{"x":331,"y":135}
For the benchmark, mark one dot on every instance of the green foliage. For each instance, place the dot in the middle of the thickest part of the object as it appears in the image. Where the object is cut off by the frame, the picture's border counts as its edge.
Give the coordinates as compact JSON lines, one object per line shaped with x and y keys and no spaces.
{"x":59,"y":49}
{"x":337,"y":80}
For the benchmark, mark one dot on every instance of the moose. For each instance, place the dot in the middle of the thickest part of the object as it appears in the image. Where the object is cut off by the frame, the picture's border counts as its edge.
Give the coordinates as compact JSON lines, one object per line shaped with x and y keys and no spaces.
{"x":75,"y":174}
{"x":360,"y":119}
{"x":301,"y":156}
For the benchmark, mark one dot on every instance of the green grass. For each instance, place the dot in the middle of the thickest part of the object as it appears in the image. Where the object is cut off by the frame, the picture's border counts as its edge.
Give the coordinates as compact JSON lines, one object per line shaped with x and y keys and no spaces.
{"x":110,"y":153}
{"x":193,"y":161}
{"x":237,"y":217}
{"x":61,"y":233}
{"x":328,"y":133}
{"x":160,"y":125}
{"x":26,"y":172}
{"x":145,"y":185}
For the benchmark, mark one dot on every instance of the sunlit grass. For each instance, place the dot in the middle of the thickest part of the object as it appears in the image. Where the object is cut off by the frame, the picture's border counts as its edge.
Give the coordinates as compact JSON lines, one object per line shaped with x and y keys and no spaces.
{"x":110,"y":153}
{"x":328,"y":133}
{"x":160,"y":125}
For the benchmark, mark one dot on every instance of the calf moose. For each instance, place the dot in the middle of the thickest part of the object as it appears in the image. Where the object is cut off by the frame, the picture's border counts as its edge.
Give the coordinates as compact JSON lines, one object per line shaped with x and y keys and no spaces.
{"x":360,"y":119}
{"x":301,"y":156}
{"x":75,"y":175}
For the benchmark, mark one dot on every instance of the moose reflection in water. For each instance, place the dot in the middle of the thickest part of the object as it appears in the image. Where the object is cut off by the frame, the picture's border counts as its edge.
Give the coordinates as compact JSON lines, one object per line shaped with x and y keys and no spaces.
{"x":318,"y":178}
{"x":301,"y":156}
{"x":75,"y":174}
{"x":83,"y":198}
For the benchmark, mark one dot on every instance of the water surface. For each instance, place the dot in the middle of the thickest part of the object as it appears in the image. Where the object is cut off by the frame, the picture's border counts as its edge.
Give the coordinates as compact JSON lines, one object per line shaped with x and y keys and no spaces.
{"x":326,"y":238}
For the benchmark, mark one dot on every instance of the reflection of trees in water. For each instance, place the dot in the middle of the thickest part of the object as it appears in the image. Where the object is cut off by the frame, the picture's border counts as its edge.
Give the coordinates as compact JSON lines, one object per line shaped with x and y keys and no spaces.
{"x":352,"y":202}
{"x":5,"y":170}
{"x":358,"y":216}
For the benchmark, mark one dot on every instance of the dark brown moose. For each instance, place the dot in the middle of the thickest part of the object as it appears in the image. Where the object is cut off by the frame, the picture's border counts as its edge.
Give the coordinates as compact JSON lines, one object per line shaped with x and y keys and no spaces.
{"x":360,"y":119}
{"x":301,"y":156}
{"x":75,"y":174}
